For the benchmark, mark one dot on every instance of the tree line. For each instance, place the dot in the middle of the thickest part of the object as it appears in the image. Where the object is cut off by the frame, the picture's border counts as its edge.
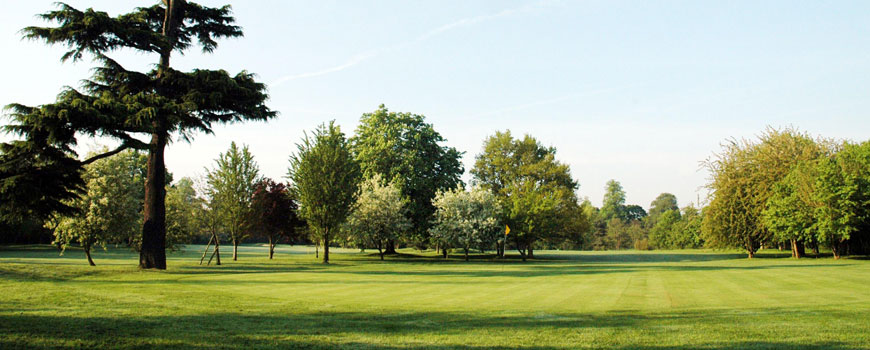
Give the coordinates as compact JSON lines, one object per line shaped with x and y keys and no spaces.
{"x":391,"y":184}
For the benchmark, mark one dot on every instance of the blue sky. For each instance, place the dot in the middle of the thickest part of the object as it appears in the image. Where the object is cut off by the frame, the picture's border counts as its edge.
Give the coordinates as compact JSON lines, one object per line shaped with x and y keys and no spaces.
{"x":637,"y":91}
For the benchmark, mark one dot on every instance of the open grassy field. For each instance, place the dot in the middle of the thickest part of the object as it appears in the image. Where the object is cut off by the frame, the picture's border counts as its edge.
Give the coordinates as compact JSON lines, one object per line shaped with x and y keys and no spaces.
{"x":613,"y":300}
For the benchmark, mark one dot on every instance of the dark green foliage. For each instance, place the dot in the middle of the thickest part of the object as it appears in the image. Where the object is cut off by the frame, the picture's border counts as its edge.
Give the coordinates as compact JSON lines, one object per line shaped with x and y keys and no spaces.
{"x":122,"y":104}
{"x":405,"y":150}
{"x":661,"y":204}
{"x":634,"y":212}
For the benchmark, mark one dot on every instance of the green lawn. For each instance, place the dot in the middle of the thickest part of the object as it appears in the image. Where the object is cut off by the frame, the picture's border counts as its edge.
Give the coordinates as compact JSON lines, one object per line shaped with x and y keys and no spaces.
{"x":614,"y":300}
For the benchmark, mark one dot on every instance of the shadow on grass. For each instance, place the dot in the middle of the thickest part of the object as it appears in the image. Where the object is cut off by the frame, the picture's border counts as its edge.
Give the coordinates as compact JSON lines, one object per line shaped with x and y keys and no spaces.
{"x":356,"y":330}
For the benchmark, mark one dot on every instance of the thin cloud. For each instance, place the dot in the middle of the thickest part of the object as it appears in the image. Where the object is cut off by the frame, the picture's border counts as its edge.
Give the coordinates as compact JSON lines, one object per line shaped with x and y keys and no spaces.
{"x":360,"y":58}
{"x":355,"y":60}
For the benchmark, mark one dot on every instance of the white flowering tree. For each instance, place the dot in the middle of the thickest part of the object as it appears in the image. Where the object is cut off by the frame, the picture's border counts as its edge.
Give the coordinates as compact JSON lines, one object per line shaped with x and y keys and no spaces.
{"x":379,"y":217}
{"x":466,"y":220}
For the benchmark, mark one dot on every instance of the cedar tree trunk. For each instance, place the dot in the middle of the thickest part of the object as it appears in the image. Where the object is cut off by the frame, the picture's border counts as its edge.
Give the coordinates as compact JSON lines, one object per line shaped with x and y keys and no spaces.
{"x":152,"y":255}
{"x":153,"y":252}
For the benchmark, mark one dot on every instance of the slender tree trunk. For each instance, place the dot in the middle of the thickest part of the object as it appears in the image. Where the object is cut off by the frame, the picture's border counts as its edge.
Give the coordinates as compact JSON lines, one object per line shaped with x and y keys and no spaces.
{"x":466,"y":253}
{"x":271,"y":248}
{"x":815,"y":245}
{"x":381,"y":250}
{"x":217,"y":248}
{"x":801,"y":251}
{"x":751,"y":253}
{"x":87,"y":249}
{"x":531,"y":252}
{"x":235,"y":249}
{"x":204,"y":252}
{"x":444,"y":252}
{"x":326,"y":247}
{"x":316,"y":249}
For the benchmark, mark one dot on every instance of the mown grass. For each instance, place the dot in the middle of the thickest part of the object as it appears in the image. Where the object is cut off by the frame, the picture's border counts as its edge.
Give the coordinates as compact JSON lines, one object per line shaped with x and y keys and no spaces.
{"x":612,"y":300}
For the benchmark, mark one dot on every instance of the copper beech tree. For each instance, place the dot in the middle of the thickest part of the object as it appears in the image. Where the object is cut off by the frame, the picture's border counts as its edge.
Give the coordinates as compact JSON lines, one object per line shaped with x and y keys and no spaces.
{"x":141,"y":110}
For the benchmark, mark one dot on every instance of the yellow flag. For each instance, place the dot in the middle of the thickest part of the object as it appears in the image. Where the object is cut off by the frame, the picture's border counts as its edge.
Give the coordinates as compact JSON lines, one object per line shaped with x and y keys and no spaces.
{"x":507,"y":230}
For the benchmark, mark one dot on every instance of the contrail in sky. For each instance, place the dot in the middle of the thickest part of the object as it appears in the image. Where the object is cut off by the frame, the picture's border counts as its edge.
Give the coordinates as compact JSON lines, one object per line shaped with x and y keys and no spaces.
{"x":357,"y":59}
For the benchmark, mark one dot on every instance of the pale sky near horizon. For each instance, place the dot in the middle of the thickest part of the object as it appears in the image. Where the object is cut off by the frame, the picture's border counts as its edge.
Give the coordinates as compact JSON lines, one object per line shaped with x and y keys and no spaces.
{"x":637,"y":91}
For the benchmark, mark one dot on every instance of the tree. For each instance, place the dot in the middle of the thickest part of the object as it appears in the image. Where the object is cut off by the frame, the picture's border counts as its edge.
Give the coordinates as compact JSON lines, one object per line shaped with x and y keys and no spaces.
{"x":325,"y":177}
{"x":534,"y":189}
{"x":613,"y":205}
{"x":466,"y":219}
{"x":123,"y":104}
{"x":691,"y":227}
{"x":842,"y":194}
{"x":665,"y":234}
{"x":208,"y":218}
{"x":595,"y":236}
{"x":379,"y":216}
{"x":273,"y":212}
{"x":618,"y":233}
{"x":182,"y":204}
{"x":660,"y":205}
{"x":405,"y":150}
{"x":232,"y":183}
{"x":634,"y":212}
{"x":106,"y":213}
{"x":790,"y":210}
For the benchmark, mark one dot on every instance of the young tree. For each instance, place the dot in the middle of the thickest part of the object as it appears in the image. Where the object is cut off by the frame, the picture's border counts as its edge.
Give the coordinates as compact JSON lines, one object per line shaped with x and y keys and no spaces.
{"x":232,"y":184}
{"x":106,"y":213}
{"x":208,"y":218}
{"x":534,"y":189}
{"x":467,"y":220}
{"x":274,"y":212}
{"x":123,"y":104}
{"x":405,"y":150}
{"x":325,"y":177}
{"x":380,"y":215}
